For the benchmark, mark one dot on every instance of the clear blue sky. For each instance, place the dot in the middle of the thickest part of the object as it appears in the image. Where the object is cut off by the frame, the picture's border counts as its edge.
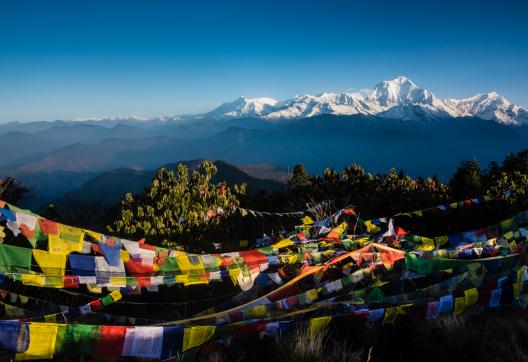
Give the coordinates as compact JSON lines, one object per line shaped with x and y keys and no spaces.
{"x":71,"y":59}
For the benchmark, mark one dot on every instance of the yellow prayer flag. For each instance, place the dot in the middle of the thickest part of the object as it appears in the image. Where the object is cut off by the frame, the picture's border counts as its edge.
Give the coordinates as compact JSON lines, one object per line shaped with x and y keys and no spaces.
{"x":454,"y":205}
{"x":195,"y":282}
{"x":508,"y":235}
{"x":97,"y":236}
{"x":307,"y":220}
{"x":471,"y":296}
{"x":42,"y":338}
{"x":116,"y":295}
{"x":460,"y":305}
{"x":506,"y":224}
{"x":428,"y":244}
{"x":36,"y":280}
{"x":282,"y":244}
{"x":441,"y":240}
{"x":318,"y":324}
{"x":57,"y":246}
{"x":72,"y":234}
{"x":517,"y":287}
{"x":419,"y":213}
{"x":336,"y":232}
{"x":93,"y":289}
{"x":50,"y":318}
{"x":181,"y":278}
{"x":51,"y":264}
{"x":118,"y":281}
{"x":233,"y":274}
{"x":371,"y":228}
{"x":125,"y":256}
{"x":312,"y":294}
{"x":259,"y":311}
{"x":185,"y":265}
{"x":390,"y":315}
{"x":196,"y":336}
{"x":292,"y":259}
{"x":54,"y":282}
{"x":520,"y":273}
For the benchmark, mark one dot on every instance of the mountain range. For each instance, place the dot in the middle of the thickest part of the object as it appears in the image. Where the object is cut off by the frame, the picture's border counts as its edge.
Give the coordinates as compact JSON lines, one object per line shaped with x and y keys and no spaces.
{"x":398,"y":98}
{"x":397,"y":124}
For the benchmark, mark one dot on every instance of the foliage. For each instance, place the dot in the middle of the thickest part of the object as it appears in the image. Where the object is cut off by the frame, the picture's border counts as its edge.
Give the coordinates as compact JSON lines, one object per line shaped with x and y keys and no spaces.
{"x":467,"y":180}
{"x":12,"y":191}
{"x":179,"y":208}
{"x":175,"y":208}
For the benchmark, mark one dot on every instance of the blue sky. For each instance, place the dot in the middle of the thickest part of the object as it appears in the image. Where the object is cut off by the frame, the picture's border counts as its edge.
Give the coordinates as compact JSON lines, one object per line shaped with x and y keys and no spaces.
{"x":74,"y":59}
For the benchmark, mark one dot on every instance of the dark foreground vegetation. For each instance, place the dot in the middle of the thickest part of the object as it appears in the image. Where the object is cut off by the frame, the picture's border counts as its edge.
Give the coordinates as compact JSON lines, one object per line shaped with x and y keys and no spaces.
{"x":492,"y":336}
{"x":186,"y":209}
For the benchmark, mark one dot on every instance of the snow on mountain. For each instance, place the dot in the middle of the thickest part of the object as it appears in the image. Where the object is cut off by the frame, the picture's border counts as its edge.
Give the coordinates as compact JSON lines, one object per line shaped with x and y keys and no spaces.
{"x":398,"y":91}
{"x":244,"y":107}
{"x":491,"y":106}
{"x":303,"y":106}
{"x":398,"y":98}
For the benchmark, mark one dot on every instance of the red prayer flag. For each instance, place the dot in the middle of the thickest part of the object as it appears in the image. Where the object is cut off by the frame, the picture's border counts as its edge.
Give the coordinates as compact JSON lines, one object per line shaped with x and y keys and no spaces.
{"x":49,"y":227}
{"x":111,"y":342}
{"x":96,"y":305}
{"x":136,"y":268}
{"x":144,"y":282}
{"x":70,"y":281}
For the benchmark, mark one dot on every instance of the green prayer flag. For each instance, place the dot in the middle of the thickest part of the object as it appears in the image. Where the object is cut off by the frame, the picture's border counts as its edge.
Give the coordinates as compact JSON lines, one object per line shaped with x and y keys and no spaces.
{"x":14,"y":259}
{"x":375,"y":295}
{"x":80,"y":339}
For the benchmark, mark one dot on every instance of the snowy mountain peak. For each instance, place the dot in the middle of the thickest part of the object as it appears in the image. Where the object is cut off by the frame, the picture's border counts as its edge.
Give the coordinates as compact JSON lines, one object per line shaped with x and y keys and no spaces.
{"x":244,"y":107}
{"x":399,"y":91}
{"x":490,"y":106}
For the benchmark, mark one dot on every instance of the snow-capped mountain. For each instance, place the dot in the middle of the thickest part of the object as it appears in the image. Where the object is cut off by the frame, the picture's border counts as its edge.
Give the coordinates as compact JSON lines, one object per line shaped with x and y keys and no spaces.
{"x":244,"y":107}
{"x":490,"y":106}
{"x":398,"y":98}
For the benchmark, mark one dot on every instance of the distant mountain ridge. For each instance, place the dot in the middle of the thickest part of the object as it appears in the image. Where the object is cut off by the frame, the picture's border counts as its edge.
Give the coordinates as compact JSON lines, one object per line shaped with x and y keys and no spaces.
{"x":398,"y":98}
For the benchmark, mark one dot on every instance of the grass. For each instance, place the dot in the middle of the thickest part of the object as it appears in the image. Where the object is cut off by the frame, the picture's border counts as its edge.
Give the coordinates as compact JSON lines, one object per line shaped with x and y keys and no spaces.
{"x":492,"y":336}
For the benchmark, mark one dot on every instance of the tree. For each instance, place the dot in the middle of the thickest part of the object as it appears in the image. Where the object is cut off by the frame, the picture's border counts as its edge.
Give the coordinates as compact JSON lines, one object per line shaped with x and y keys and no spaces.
{"x":467,"y":180}
{"x":11,"y":191}
{"x":179,"y":209}
{"x":300,"y":178}
{"x":516,"y":162}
